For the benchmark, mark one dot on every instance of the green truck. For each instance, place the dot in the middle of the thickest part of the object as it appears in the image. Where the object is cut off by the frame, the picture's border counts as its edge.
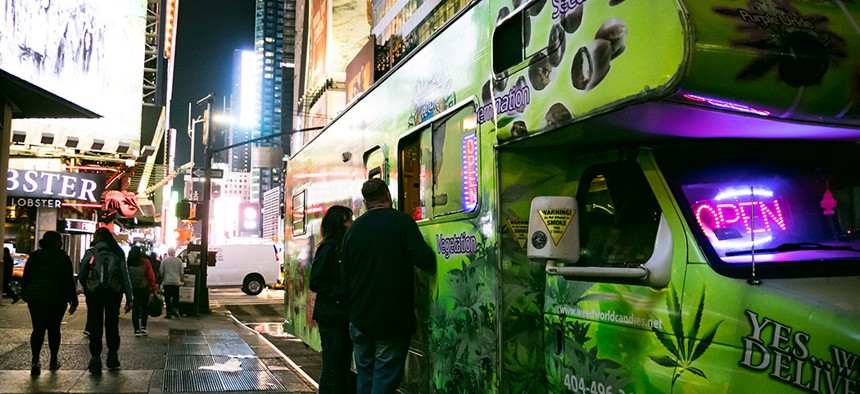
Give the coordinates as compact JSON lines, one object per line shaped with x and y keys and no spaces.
{"x":705,"y":154}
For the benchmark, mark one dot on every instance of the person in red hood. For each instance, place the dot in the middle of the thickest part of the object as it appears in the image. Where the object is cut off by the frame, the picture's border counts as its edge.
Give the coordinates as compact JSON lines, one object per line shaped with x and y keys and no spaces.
{"x":143,"y":286}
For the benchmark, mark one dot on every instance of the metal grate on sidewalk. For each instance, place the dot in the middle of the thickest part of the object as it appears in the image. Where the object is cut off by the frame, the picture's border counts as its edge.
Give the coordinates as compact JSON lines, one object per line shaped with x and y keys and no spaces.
{"x":188,"y":350}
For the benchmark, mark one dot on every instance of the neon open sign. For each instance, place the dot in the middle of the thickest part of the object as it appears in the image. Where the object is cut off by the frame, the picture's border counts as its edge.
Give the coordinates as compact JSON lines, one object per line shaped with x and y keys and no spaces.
{"x":756,"y":212}
{"x":470,"y":172}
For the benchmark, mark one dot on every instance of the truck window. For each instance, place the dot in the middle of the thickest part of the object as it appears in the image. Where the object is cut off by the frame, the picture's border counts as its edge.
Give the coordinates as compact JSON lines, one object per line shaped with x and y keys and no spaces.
{"x":375,"y":164}
{"x":438,"y":167}
{"x":515,"y":42}
{"x":793,"y":208}
{"x":298,"y":213}
{"x":619,"y":216}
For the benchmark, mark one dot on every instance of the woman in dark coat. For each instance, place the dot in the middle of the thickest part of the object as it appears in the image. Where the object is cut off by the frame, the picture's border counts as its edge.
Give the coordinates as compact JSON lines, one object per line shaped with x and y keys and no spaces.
{"x":48,"y":286}
{"x":329,"y":308}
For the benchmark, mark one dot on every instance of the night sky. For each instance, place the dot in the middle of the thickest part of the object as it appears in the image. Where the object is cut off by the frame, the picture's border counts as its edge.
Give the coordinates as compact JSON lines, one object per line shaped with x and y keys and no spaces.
{"x":207,"y":34}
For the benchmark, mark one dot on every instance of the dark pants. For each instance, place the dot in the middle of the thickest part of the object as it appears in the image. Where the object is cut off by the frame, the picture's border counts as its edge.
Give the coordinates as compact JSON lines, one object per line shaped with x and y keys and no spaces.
{"x":171,"y":298}
{"x":336,"y":378}
{"x":140,"y":308}
{"x":103,"y":315}
{"x":379,"y":362}
{"x":45,"y":317}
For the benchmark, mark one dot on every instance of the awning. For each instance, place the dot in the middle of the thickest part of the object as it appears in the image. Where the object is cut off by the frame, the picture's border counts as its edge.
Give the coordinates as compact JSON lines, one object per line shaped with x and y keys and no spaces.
{"x":31,"y":101}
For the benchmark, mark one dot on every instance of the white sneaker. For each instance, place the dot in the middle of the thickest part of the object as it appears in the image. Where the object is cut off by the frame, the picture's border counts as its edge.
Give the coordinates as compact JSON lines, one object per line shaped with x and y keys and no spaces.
{"x":137,"y":333}
{"x":143,"y":331}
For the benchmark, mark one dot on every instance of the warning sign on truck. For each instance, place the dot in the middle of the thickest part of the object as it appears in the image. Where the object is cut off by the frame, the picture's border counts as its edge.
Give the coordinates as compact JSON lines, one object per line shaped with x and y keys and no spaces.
{"x":520,"y":228}
{"x":556,"y":221}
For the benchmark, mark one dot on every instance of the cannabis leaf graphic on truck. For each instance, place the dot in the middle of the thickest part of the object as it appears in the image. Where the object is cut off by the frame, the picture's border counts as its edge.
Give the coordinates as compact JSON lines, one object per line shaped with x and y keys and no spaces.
{"x":684,"y":349}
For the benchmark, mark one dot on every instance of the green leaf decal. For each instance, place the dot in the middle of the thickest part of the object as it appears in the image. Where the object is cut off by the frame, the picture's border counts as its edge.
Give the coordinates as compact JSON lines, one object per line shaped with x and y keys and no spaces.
{"x":697,"y":371}
{"x":677,"y":322}
{"x":666,"y":340}
{"x":705,"y":342}
{"x":697,"y":321}
{"x":684,"y":349}
{"x":668,"y":362}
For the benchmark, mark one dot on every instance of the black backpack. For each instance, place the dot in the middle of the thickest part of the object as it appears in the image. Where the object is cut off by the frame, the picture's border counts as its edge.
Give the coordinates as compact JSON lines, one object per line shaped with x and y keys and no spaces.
{"x":104,"y":272}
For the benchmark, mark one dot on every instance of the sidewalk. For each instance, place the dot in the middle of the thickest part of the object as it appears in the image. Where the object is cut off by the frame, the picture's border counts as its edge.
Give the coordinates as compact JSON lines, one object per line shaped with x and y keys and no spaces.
{"x":165,"y":361}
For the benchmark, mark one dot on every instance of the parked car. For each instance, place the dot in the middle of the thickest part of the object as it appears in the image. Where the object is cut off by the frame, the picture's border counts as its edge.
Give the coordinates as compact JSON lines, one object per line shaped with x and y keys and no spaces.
{"x":20,"y":260}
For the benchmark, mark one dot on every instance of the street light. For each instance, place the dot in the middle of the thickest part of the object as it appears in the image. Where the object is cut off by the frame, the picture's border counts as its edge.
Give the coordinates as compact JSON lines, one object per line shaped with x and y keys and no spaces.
{"x":205,"y":203}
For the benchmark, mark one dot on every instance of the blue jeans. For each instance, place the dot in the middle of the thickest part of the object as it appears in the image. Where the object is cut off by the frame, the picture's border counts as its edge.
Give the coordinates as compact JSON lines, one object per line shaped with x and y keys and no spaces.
{"x":379,"y":362}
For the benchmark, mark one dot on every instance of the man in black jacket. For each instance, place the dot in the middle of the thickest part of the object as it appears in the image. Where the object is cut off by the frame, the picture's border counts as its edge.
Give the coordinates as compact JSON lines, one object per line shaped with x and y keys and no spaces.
{"x":379,"y":252}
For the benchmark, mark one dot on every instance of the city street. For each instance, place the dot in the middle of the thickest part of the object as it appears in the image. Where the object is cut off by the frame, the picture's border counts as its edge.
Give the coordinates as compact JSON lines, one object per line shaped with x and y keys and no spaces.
{"x":166,"y":360}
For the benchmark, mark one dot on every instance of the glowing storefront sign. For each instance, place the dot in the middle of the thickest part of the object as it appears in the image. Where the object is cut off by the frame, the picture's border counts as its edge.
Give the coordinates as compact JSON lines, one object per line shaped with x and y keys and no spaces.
{"x":470,"y":172}
{"x":742,"y":217}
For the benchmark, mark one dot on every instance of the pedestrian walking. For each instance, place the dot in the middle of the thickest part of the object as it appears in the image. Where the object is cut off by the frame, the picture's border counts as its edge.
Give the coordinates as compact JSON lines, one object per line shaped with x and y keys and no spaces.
{"x":143,"y":286}
{"x":104,"y":276}
{"x":330,"y":307}
{"x":171,"y":278}
{"x":156,"y":267}
{"x":379,"y":252}
{"x":48,"y":287}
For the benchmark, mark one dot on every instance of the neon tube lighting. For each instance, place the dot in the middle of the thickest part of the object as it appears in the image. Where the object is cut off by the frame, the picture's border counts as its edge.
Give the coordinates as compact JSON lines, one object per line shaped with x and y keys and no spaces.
{"x":84,"y":205}
{"x":726,"y":105}
{"x":734,"y":193}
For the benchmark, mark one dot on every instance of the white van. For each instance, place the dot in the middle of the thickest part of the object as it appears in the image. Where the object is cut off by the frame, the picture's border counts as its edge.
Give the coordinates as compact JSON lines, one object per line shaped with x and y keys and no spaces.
{"x":251,"y":266}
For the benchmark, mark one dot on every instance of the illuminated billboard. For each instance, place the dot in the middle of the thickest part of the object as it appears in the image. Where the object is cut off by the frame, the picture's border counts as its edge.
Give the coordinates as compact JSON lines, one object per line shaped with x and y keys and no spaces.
{"x":319,"y":40}
{"x":89,"y":52}
{"x":359,"y":71}
{"x":249,"y":104}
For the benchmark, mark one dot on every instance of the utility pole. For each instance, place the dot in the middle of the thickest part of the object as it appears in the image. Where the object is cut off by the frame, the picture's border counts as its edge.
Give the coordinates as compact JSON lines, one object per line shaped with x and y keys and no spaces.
{"x":203,"y":290}
{"x":205,"y":203}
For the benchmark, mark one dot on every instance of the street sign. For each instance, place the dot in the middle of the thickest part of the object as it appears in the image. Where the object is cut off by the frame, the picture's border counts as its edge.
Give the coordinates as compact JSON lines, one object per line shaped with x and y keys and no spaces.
{"x":214,"y":173}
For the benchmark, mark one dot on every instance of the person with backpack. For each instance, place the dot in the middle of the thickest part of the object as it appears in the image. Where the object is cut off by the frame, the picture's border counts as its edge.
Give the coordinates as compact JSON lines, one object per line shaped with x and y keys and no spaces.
{"x":104,"y":276}
{"x":143,"y":286}
{"x":48,"y":286}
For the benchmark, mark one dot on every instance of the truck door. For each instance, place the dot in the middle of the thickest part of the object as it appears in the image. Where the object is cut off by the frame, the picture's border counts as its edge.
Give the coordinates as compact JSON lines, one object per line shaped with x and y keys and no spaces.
{"x":602,"y":314}
{"x":439,"y":186}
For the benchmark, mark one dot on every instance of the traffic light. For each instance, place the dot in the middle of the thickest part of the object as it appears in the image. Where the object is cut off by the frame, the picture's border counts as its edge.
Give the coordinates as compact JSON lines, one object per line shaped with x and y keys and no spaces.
{"x":183,"y":235}
{"x":186,"y":210}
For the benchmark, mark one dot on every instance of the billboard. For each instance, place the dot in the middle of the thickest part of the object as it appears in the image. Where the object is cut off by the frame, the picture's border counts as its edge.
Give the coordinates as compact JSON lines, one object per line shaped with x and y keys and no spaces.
{"x":319,"y":31}
{"x":359,"y":71}
{"x":89,"y":52}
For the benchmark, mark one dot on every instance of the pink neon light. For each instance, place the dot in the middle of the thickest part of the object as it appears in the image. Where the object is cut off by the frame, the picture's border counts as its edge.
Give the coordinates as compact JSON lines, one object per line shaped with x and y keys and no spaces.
{"x":726,"y":104}
{"x":723,"y":215}
{"x":470,"y":172}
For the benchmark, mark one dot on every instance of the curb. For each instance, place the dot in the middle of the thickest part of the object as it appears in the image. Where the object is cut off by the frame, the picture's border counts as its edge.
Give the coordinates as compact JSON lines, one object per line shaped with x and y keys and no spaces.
{"x":304,"y":376}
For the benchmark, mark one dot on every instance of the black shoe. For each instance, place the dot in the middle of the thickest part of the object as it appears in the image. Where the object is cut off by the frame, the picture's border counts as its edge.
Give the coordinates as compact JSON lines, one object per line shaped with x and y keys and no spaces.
{"x":55,"y":365}
{"x":95,"y":366}
{"x":36,"y":369}
{"x":113,"y":361}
